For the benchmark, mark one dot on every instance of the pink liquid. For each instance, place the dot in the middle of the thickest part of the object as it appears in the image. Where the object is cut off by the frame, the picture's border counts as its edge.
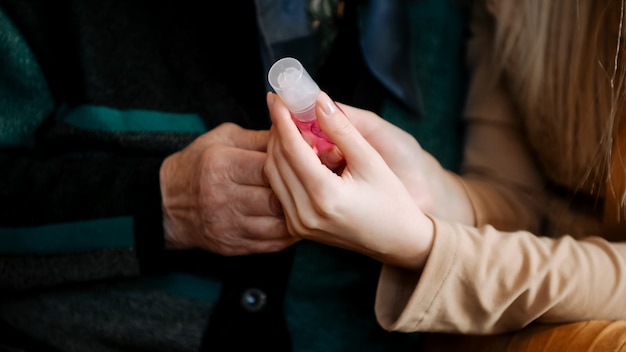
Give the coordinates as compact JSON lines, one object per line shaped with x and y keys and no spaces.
{"x":313,"y":134}
{"x":311,"y":130}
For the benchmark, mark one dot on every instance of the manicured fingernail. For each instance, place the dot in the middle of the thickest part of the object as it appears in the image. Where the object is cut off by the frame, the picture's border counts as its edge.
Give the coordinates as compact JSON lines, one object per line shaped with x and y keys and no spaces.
{"x":270,"y":99}
{"x":328,"y":106}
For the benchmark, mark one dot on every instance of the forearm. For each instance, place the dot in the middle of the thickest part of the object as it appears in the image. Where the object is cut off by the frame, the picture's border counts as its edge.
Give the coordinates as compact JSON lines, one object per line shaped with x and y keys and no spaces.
{"x":74,"y":187}
{"x":452,"y":202}
{"x":88,"y":200}
{"x":467,"y":285}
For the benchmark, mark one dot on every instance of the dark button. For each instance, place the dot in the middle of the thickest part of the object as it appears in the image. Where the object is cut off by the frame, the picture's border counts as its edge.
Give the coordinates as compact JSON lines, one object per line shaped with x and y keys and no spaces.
{"x":253,"y":299}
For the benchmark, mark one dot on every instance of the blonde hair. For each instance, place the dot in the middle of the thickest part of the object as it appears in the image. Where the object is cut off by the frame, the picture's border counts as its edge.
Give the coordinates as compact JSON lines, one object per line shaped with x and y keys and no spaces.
{"x":569,"y":62}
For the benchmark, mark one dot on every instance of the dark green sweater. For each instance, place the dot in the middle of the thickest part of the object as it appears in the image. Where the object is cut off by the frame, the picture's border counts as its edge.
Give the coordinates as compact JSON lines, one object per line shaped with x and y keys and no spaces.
{"x":93,"y":96}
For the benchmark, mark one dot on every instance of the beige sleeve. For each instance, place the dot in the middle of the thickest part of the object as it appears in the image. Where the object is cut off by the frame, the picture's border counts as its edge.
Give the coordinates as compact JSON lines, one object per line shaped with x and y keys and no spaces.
{"x":497,"y":276}
{"x":500,"y":173}
{"x":483,"y":280}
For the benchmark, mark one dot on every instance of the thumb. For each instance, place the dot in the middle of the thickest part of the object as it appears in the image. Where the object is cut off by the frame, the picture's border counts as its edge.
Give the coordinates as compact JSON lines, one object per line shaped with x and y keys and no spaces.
{"x":357,"y":152}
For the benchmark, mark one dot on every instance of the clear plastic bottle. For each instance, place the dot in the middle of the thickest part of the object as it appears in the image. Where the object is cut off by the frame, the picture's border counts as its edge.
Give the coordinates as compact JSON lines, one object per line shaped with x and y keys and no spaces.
{"x":299,"y":91}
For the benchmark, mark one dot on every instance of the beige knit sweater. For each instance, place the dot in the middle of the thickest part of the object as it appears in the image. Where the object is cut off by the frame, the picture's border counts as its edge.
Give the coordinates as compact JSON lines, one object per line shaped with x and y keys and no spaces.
{"x":536,"y":254}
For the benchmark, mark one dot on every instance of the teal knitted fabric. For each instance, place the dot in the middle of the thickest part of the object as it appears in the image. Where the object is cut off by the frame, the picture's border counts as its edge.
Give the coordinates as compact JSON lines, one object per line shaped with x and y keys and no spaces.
{"x":437,"y":52}
{"x":24,"y":94}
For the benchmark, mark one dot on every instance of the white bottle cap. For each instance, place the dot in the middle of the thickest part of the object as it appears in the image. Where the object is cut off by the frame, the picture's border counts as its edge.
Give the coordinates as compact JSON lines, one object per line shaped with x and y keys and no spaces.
{"x":293,"y":84}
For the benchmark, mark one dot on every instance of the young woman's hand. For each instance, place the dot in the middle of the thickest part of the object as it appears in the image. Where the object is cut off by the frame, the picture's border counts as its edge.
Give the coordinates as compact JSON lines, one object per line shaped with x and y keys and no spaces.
{"x":436,"y":191}
{"x":417,"y":169}
{"x":365,"y":208}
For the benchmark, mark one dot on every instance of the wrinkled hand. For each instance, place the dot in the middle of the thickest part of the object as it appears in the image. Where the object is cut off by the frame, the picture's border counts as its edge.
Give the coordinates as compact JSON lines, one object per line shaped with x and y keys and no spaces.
{"x":215,"y":196}
{"x":366,"y":208}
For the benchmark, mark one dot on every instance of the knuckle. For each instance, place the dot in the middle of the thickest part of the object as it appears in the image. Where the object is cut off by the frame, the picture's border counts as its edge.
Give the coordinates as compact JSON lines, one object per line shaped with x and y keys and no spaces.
{"x":210,"y":156}
{"x":226,"y":127}
{"x":275,"y":206}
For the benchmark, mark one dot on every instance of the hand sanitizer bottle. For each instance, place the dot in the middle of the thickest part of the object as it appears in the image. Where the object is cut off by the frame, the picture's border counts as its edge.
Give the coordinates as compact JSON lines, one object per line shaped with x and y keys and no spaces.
{"x":299,"y":92}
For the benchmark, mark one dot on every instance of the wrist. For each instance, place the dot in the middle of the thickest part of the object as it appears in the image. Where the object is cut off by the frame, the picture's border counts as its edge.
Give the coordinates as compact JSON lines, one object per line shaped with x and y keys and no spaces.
{"x":173,"y":213}
{"x":425,"y":243}
{"x":451,"y":202}
{"x":458,"y":203}
{"x":172,"y":235}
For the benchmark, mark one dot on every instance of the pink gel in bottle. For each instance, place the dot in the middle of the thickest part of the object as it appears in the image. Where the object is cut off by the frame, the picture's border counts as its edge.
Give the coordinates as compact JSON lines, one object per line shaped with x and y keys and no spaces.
{"x":299,"y":92}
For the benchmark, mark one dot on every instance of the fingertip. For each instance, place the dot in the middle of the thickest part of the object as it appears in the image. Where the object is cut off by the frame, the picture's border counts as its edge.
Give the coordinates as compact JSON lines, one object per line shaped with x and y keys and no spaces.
{"x":270,"y":98}
{"x":278,"y":111}
{"x":332,"y":119}
{"x":327,"y":107}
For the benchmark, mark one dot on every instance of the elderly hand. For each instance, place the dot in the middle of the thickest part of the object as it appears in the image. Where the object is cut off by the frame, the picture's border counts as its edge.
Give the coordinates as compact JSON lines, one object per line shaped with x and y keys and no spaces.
{"x":215,"y":196}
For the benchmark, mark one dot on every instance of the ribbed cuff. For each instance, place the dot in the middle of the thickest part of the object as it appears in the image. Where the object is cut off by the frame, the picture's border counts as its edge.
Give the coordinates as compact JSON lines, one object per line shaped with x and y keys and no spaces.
{"x":148,"y":225}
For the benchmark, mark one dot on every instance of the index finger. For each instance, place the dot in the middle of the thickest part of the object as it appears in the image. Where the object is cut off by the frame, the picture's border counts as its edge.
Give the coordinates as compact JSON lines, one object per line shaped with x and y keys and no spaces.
{"x":291,"y":140}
